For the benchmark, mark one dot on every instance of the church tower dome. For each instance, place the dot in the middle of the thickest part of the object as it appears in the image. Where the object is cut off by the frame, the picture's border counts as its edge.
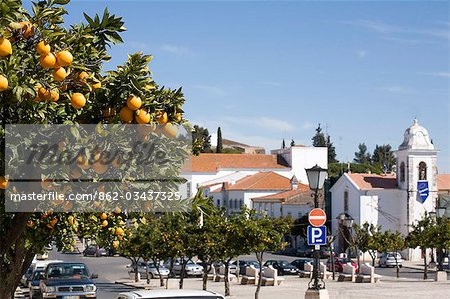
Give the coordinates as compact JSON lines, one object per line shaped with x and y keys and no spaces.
{"x":416,"y":138}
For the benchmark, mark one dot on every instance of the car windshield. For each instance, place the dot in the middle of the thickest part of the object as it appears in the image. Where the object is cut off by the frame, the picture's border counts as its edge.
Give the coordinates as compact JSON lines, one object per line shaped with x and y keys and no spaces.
{"x":67,"y":271}
{"x":285,"y":263}
{"x":36,"y":274}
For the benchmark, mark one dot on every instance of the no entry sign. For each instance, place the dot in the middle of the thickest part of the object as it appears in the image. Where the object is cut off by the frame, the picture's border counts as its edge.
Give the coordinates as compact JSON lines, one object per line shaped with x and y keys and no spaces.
{"x":317,"y":217}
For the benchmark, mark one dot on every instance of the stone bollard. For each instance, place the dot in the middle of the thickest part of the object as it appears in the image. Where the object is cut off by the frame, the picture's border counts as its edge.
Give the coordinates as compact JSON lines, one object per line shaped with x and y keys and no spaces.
{"x":441,"y":276}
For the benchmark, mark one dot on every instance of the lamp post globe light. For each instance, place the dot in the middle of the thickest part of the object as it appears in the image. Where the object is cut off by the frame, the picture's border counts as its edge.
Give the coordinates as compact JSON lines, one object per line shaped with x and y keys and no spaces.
{"x":316,"y":178}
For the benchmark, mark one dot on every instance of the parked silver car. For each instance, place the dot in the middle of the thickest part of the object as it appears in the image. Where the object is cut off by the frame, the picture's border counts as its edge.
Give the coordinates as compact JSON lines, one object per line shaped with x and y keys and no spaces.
{"x":192,"y":268}
{"x":152,"y":271}
{"x":390,"y":259}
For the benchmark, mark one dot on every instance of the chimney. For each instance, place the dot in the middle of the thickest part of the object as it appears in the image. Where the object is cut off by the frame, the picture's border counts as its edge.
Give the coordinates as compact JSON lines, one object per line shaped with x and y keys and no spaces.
{"x":294,"y":183}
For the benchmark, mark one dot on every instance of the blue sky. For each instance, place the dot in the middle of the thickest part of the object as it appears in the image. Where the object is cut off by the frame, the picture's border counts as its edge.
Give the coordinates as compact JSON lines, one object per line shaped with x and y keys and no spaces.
{"x":265,"y":71}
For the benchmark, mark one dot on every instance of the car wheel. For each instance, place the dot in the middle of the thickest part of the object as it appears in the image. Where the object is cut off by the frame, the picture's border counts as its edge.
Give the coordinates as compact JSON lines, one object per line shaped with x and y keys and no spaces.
{"x":399,"y":266}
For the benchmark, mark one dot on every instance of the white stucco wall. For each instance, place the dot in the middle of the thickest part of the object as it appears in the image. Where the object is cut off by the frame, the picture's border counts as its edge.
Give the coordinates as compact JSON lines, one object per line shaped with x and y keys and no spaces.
{"x":307,"y":157}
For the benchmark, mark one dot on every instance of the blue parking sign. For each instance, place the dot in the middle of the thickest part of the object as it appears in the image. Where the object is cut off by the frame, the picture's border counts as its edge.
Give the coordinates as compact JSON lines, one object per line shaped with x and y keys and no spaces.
{"x":317,"y":235}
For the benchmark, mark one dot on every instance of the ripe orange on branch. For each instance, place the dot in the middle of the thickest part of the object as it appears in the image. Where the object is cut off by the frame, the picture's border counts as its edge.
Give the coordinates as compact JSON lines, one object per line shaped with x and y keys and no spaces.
{"x":44,"y":94}
{"x":126,"y":115}
{"x":162,"y":118}
{"x":5,"y":47}
{"x":143,"y":117}
{"x":97,"y":84}
{"x":3,"y":83}
{"x":48,"y":61}
{"x":134,"y":102}
{"x":27,"y":29}
{"x":54,"y":95}
{"x":3,"y":183}
{"x":59,"y":74}
{"x":78,"y":100}
{"x":82,"y":76}
{"x":64,"y":58}
{"x":42,"y":48}
{"x":170,"y":130}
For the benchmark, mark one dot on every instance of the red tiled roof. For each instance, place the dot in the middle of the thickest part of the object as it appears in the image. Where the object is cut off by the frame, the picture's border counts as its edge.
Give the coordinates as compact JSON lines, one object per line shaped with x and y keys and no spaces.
{"x":214,"y":162}
{"x":301,"y":189}
{"x":262,"y":181}
{"x":367,"y":181}
{"x":443,"y":182}
{"x":300,"y":196}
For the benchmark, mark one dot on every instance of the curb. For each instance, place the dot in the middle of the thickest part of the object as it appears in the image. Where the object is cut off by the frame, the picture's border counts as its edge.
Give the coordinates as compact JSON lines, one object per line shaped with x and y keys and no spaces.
{"x":129,"y":284}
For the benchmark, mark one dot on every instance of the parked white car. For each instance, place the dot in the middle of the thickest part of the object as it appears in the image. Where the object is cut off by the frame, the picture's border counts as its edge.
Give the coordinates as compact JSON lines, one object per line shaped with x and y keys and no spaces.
{"x":388,"y":259}
{"x":152,"y":271}
{"x":173,"y":294}
{"x":192,"y":268}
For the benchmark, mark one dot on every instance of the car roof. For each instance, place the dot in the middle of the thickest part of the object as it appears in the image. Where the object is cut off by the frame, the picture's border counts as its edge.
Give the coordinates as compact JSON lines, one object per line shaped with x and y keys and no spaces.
{"x":169,"y":293}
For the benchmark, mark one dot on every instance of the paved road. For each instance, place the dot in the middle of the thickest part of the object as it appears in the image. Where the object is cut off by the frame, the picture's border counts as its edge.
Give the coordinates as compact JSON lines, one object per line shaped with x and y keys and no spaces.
{"x":111,"y":269}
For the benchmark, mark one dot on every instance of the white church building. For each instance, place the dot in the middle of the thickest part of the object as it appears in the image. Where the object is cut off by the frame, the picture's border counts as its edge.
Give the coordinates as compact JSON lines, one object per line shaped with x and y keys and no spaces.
{"x":395,"y":200}
{"x":235,"y":180}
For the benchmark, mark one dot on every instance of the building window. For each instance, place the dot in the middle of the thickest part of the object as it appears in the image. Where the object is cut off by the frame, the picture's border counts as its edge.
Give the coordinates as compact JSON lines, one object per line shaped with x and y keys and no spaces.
{"x":402,"y":172}
{"x":422,"y":171}
{"x":241,"y":203}
{"x":188,"y":189}
{"x":300,"y":215}
{"x":218,"y":202}
{"x":346,"y":201}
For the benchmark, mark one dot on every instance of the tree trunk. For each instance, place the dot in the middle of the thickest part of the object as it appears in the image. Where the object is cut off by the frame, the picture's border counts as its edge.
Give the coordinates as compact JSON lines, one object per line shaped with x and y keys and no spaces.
{"x":182,"y":273}
{"x":147,"y":274}
{"x":227,"y":281}
{"x":161,"y":279}
{"x":259,"y":257}
{"x":358,"y":258}
{"x":396,"y":265}
{"x":205,"y":276}
{"x":425,"y":268}
{"x":11,"y":273}
{"x":170,"y":272}
{"x":373,"y":256}
{"x":440,"y":258}
{"x":136,"y":272}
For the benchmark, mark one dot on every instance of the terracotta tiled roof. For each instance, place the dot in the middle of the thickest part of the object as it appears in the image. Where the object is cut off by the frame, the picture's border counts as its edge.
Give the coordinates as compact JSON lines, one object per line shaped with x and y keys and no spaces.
{"x":300,"y":196}
{"x":214,"y":162}
{"x":262,"y":181}
{"x":443,"y":181}
{"x":286,"y":194}
{"x":366,"y":181}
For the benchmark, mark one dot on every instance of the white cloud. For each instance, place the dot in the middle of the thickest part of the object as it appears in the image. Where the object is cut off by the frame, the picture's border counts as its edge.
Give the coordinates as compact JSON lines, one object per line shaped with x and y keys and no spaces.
{"x":263,"y":122}
{"x":440,"y":74}
{"x":361,"y":53}
{"x":177,"y":50}
{"x":384,"y":28}
{"x":397,"y":89}
{"x":307,"y":125}
{"x":276,"y":124}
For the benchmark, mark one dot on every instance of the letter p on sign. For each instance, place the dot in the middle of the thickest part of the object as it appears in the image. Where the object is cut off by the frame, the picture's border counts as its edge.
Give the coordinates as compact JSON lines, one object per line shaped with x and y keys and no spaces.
{"x":317,"y":235}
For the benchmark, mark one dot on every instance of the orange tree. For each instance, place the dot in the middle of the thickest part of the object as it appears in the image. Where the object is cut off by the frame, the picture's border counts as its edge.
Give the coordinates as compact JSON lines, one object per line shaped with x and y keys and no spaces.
{"x":51,"y":73}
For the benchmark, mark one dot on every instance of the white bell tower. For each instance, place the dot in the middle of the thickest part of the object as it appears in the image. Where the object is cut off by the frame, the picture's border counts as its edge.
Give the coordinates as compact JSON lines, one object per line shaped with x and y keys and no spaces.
{"x":416,"y":163}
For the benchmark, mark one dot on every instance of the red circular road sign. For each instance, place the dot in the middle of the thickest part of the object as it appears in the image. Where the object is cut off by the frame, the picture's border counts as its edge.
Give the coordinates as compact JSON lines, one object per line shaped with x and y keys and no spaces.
{"x":317,"y":217}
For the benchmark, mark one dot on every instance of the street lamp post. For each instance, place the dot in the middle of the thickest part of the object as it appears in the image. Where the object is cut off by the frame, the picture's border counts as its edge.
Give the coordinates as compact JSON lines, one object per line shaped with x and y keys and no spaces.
{"x":440,"y":212}
{"x":316,"y":178}
{"x":347,"y":223}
